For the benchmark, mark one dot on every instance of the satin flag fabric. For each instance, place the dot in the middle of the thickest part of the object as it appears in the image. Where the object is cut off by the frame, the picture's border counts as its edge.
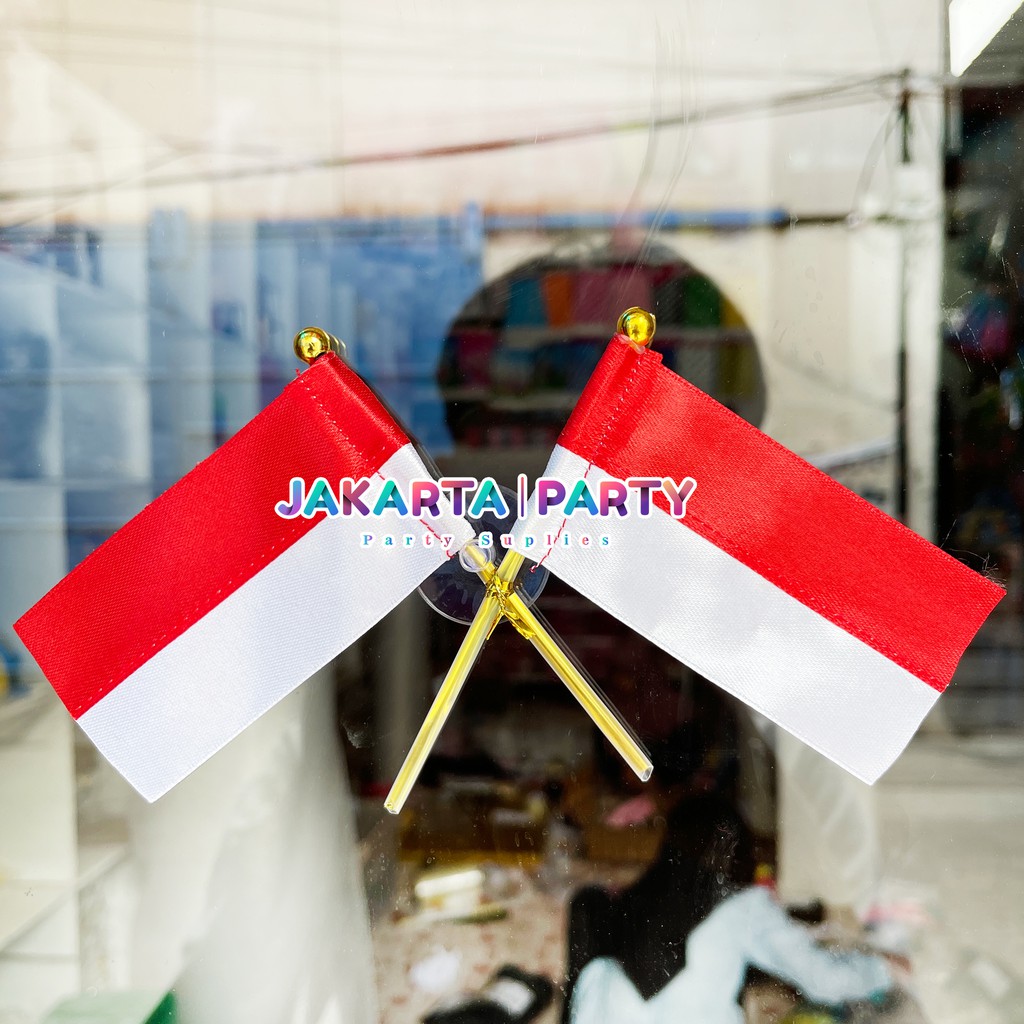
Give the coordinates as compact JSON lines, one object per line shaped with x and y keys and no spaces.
{"x":778,"y":584}
{"x":208,"y":607}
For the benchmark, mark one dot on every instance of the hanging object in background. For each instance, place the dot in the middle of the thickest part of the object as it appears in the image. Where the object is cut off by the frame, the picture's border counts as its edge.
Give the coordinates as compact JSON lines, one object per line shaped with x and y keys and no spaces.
{"x":208,"y":607}
{"x":776,"y":583}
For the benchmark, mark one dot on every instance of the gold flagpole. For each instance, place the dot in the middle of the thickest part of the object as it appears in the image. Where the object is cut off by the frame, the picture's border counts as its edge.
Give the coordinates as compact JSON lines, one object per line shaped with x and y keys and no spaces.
{"x":309,"y":344}
{"x":487,"y":617}
{"x":501,"y":600}
{"x":530,"y":624}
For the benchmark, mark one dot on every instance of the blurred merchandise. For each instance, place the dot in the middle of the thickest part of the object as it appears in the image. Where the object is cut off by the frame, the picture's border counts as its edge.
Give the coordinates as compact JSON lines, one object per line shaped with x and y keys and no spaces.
{"x":474,"y":349}
{"x":558,"y":287}
{"x":20,"y":703}
{"x":635,"y":844}
{"x":436,"y":972}
{"x":768,"y":1001}
{"x":26,"y":405}
{"x":510,"y":372}
{"x":590,"y":299}
{"x":563,"y":850}
{"x":702,"y":302}
{"x":449,"y":893}
{"x":474,"y":820}
{"x":9,"y":680}
{"x":634,"y":811}
{"x":525,"y":303}
{"x":670,"y":301}
{"x":512,"y":996}
{"x":811,"y":1015}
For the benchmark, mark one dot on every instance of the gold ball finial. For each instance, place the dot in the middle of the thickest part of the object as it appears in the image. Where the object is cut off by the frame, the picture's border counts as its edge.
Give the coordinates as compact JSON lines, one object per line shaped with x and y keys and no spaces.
{"x":312,"y":342}
{"x":638,"y":325}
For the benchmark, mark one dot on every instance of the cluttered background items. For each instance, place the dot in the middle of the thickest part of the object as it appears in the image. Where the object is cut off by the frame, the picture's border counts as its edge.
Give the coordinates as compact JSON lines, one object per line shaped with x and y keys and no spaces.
{"x":503,"y":854}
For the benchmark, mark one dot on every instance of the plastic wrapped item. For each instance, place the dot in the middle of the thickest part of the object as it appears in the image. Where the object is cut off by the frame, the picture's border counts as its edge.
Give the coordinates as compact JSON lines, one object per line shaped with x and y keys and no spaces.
{"x":828,"y":827}
{"x":250,"y":887}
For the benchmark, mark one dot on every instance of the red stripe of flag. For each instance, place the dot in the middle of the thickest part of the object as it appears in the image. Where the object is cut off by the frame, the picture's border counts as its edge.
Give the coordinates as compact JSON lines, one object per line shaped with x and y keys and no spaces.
{"x":812,"y":538}
{"x":207,"y":535}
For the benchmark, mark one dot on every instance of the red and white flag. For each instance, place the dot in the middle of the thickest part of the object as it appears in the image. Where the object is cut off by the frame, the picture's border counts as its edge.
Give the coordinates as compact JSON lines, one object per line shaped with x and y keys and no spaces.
{"x":208,"y":607}
{"x":778,"y":584}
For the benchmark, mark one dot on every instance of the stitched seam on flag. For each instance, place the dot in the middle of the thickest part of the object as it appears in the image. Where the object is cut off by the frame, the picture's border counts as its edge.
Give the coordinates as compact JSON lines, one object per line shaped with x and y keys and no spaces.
{"x":609,"y":424}
{"x":363,"y":459}
{"x":366,"y":460}
{"x":264,"y":558}
{"x":805,"y":598}
{"x":423,"y":522}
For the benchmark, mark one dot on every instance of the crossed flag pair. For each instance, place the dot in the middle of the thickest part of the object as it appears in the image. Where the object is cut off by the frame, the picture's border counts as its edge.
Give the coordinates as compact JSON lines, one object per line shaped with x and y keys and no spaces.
{"x":778,"y":584}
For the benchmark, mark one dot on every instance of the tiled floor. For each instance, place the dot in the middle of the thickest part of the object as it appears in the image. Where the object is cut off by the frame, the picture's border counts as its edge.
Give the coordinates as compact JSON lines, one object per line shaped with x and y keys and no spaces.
{"x":532,"y":937}
{"x":529,"y":937}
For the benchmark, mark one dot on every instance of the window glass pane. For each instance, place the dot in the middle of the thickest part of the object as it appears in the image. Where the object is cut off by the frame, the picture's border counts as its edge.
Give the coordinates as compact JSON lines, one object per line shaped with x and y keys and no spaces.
{"x":819,"y":204}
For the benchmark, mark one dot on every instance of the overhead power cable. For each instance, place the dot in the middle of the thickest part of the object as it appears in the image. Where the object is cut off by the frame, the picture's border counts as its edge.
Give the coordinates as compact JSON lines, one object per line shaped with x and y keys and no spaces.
{"x":852,"y":92}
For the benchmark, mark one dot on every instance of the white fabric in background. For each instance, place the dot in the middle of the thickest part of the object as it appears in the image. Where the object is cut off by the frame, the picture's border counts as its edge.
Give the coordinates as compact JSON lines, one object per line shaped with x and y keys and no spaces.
{"x":829,"y":843}
{"x":747,"y":929}
{"x":251,"y":900}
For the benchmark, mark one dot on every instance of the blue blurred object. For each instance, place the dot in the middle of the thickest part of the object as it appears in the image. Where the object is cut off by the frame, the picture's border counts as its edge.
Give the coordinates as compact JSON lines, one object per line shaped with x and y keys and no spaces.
{"x":10,"y":671}
{"x":525,"y":303}
{"x":25,"y":388}
{"x":983,"y":327}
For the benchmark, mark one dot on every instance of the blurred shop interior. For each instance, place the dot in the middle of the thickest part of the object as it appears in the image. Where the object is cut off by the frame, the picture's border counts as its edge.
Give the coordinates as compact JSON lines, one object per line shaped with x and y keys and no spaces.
{"x":823,"y":206}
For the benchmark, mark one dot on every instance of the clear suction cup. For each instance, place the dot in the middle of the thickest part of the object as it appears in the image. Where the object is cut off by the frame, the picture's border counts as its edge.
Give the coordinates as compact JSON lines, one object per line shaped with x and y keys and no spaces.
{"x":455,"y":591}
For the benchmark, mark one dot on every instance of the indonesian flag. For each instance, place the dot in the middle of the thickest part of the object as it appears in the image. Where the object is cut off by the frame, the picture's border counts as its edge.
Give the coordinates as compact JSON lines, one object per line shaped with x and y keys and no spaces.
{"x":775,"y":582}
{"x":208,"y":607}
